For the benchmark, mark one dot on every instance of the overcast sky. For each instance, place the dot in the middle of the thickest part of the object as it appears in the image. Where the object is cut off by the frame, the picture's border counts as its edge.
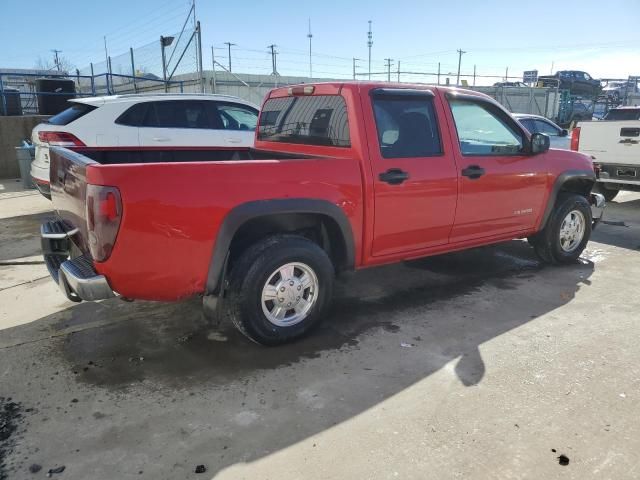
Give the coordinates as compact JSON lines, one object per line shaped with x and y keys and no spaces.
{"x":601,"y":38}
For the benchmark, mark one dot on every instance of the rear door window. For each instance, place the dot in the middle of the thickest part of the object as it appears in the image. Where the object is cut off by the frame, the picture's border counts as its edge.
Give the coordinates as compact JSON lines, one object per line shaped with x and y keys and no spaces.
{"x":311,"y":120}
{"x":74,"y":112}
{"x":177,"y":114}
{"x":406,"y":126}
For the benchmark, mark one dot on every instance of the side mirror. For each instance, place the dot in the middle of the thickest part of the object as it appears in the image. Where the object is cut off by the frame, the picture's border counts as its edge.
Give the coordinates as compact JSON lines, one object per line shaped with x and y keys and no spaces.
{"x":539,"y":143}
{"x":564,"y":132}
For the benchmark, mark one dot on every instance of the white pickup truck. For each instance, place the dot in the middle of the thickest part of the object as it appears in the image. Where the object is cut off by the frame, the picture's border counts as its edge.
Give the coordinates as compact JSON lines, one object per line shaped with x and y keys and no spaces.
{"x":614,"y":145}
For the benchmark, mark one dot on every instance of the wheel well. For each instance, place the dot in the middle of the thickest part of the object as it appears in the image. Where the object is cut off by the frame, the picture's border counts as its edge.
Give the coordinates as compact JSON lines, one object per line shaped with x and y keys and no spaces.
{"x":319,"y":228}
{"x":581,"y":186}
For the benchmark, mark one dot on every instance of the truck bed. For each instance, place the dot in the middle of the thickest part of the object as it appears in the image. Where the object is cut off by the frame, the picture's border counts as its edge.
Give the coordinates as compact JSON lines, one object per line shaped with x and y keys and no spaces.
{"x":174,"y":201}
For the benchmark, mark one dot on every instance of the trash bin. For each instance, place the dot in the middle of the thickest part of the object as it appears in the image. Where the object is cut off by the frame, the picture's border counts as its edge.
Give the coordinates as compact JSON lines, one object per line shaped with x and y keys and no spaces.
{"x":25,"y":154}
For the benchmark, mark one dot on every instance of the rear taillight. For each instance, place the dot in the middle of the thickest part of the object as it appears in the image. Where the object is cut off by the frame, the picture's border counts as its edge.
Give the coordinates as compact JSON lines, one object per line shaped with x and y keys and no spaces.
{"x":60,"y":139}
{"x":575,"y":138}
{"x":104,"y":213}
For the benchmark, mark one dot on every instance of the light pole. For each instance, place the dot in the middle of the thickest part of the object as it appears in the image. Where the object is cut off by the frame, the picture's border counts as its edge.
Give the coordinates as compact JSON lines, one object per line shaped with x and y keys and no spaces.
{"x":370,"y":44}
{"x":354,"y":66}
{"x":310,"y":36}
{"x":165,"y":42}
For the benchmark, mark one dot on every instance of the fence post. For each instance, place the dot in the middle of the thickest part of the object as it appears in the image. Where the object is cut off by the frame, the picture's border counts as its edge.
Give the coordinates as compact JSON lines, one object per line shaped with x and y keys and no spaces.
{"x":93,"y":83}
{"x":199,"y":53}
{"x":4,"y":100}
{"x":133,"y":71}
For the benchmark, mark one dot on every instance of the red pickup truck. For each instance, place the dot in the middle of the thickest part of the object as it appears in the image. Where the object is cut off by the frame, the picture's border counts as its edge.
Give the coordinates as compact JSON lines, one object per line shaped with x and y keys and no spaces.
{"x":343,"y":176}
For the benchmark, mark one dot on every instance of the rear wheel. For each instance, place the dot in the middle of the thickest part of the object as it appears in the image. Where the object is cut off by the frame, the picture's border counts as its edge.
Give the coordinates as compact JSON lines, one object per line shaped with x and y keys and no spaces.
{"x":567,"y":231}
{"x":279,"y":289}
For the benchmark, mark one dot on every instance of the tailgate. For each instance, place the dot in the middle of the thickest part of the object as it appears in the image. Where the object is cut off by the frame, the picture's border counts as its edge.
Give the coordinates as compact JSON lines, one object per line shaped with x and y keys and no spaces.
{"x":614,"y":142}
{"x":69,"y":190}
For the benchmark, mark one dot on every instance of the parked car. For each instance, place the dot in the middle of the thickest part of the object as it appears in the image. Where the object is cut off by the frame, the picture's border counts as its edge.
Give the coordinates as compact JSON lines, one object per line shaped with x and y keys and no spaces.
{"x":559,"y":137}
{"x":579,"y":112}
{"x":510,"y":84}
{"x":150,"y":121}
{"x":614,"y":145}
{"x":618,"y":90}
{"x":343,"y":176}
{"x":577,"y":82}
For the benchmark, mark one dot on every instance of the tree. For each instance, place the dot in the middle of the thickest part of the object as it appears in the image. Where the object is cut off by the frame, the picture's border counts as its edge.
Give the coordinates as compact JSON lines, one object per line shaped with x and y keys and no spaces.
{"x":64,"y":64}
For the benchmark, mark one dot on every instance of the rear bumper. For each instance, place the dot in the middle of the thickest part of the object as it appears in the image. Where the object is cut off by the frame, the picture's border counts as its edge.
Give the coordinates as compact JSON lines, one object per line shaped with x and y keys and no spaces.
{"x":76,"y":277}
{"x":43,"y":187}
{"x":598,"y":205}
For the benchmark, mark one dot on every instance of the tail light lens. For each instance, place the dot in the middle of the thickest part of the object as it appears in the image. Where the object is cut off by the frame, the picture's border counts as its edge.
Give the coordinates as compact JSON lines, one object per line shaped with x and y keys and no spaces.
{"x":575,"y":138}
{"x":104,"y":214}
{"x":60,"y":139}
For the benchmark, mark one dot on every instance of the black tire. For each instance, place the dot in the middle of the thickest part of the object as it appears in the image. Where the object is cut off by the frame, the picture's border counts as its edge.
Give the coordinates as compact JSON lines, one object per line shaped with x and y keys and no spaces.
{"x":252,"y":271}
{"x":547,"y":243}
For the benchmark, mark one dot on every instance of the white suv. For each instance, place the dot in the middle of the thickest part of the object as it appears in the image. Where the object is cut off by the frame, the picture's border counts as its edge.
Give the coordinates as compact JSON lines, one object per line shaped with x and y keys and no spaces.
{"x":144,"y":121}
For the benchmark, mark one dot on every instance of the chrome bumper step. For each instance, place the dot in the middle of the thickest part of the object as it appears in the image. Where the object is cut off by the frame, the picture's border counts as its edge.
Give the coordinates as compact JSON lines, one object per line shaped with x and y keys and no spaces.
{"x":76,"y":277}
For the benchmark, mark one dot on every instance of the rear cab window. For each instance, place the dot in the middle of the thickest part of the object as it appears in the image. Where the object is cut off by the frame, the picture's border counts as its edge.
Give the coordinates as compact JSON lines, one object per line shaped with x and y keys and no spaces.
{"x":71,"y":114}
{"x":623,"y":114}
{"x":311,"y":120}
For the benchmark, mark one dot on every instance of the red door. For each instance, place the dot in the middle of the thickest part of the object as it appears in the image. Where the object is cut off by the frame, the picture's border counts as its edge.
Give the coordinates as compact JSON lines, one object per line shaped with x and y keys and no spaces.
{"x":502,"y":188}
{"x":414,"y":172}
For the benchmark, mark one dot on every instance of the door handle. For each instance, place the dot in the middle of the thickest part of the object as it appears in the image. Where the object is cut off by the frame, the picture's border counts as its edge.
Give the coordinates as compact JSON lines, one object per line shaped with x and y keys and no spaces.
{"x":394,"y":176}
{"x":161,"y":139}
{"x":234,"y":140}
{"x":473,"y":172}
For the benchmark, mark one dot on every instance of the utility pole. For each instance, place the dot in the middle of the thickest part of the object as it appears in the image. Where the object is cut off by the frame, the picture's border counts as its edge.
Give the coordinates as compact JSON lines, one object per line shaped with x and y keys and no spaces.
{"x":56,"y":60}
{"x":310,"y":36}
{"x":229,"y":45}
{"x":354,"y":66}
{"x":506,"y":74}
{"x":474,"y":75}
{"x":551,"y":72}
{"x":106,"y":52}
{"x":460,"y":53}
{"x":389,"y":62}
{"x":273,"y":59}
{"x":370,"y":44}
{"x":213,"y":67}
{"x":398,"y":71}
{"x":438,"y":73}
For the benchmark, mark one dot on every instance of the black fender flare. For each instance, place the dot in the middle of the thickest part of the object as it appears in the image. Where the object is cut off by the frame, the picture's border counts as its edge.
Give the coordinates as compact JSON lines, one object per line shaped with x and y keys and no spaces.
{"x":559,"y":182}
{"x":241,"y":214}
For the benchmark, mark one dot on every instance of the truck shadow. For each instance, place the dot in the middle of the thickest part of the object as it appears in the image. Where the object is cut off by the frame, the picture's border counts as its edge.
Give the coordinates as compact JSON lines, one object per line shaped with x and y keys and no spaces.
{"x":620,"y":227}
{"x":390,"y":328}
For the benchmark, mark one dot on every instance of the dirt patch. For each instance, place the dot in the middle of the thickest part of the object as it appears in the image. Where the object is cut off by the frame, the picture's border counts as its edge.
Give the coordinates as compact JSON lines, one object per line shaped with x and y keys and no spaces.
{"x":10,"y":418}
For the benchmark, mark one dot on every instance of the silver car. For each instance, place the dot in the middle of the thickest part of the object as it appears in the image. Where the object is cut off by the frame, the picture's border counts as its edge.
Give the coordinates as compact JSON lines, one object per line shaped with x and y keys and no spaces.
{"x":560,"y":138}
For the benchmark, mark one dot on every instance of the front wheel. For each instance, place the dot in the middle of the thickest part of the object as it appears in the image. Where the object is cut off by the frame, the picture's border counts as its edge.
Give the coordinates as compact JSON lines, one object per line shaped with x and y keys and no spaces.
{"x":279,"y":289}
{"x":567,"y":231}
